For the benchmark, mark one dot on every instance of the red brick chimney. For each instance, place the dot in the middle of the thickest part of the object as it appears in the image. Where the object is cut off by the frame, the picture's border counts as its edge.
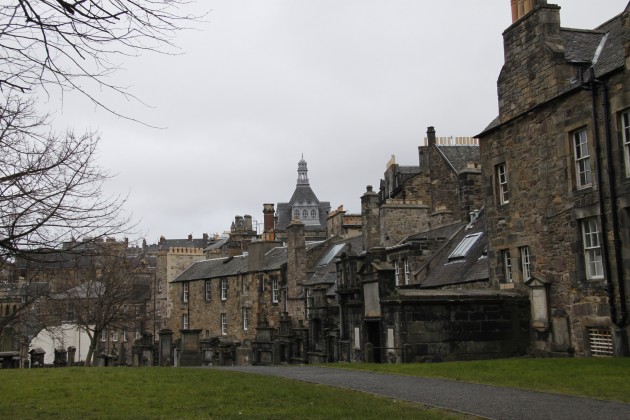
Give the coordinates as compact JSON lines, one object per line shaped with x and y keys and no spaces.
{"x":268,"y":222}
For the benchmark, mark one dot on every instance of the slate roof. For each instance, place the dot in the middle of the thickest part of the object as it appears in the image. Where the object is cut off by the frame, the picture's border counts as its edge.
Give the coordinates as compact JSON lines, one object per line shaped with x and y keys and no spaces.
{"x":216,"y":267}
{"x":327,"y":274}
{"x":580,"y":46}
{"x":444,"y":232}
{"x":460,"y":156}
{"x":471,"y":268}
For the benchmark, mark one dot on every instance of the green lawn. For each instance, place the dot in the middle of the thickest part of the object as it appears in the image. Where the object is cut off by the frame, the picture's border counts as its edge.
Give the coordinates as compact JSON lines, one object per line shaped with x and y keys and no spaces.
{"x":602,"y":378}
{"x":174,"y":393}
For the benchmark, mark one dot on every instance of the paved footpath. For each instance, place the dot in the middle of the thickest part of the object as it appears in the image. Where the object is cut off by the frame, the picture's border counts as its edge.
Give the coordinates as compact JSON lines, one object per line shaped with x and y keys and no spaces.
{"x":480,"y":400}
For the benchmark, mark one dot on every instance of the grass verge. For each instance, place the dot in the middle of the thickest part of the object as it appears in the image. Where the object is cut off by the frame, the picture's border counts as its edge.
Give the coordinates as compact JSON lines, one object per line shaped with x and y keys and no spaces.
{"x":602,"y":378}
{"x":154,"y":393}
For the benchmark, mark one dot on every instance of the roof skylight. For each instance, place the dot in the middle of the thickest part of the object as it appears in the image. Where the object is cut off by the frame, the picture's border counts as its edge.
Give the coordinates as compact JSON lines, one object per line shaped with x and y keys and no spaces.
{"x":464,"y":246}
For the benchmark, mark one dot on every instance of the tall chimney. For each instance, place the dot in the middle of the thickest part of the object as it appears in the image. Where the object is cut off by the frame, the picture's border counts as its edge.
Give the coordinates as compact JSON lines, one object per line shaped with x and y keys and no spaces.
{"x":522,"y":7}
{"x":296,"y":266}
{"x":370,"y":219}
{"x":268,"y":222}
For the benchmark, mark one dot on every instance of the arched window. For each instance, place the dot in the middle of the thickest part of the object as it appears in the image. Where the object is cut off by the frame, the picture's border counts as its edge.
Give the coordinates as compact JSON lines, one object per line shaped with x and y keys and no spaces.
{"x":305,"y":213}
{"x":296,"y":213}
{"x":313,"y":214}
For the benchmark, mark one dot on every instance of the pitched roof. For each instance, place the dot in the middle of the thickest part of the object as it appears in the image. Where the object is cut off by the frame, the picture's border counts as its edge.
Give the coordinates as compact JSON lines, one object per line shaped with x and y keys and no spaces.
{"x":326,"y":268}
{"x":459,"y":156}
{"x":216,"y":267}
{"x":581,"y":46}
{"x":448,"y":269}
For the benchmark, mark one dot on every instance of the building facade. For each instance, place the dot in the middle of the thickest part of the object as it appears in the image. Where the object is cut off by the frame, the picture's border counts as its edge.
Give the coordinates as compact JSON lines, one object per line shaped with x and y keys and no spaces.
{"x":556,"y":170}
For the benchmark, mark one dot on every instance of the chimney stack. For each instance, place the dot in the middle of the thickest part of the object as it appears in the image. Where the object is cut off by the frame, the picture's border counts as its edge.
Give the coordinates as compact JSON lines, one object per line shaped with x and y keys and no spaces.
{"x":268,"y":222}
{"x":370,"y":219}
{"x":522,"y":7}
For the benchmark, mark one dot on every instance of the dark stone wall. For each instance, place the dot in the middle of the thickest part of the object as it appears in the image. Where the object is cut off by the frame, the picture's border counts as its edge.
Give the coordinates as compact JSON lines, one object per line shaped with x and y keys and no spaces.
{"x":451,"y":329}
{"x":538,"y":113}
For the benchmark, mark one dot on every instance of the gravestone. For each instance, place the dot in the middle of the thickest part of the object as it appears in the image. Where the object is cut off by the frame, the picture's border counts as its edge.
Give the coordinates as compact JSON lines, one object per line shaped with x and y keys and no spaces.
{"x":166,"y":347}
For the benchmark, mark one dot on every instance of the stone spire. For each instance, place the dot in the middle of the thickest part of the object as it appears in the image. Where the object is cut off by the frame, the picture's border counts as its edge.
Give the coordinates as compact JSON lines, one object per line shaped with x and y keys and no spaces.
{"x":302,"y":172}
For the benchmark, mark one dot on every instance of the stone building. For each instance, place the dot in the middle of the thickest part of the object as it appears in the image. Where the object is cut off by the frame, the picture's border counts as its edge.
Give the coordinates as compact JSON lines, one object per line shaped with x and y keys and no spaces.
{"x":172,"y":257}
{"x":556,"y":170}
{"x":274,"y":304}
{"x":444,"y":187}
{"x":343,"y":225}
{"x":427,"y":298}
{"x":304,"y":206}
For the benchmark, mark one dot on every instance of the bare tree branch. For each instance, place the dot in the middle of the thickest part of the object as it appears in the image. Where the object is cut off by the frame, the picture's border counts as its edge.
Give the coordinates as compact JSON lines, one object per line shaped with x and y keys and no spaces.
{"x":50,"y":185}
{"x":71,"y":44}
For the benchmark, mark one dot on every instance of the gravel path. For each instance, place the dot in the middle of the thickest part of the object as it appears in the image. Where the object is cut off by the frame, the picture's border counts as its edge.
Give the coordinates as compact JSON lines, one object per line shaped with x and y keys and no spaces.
{"x":480,"y":400}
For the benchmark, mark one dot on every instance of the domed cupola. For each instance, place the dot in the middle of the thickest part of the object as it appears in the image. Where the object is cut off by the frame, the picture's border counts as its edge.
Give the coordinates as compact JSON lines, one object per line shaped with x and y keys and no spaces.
{"x":302,"y":172}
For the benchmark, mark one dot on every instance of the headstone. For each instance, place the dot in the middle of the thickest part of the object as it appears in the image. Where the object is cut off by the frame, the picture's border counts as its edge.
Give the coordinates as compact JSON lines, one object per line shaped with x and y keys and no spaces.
{"x":122,"y":355}
{"x":61,"y":358}
{"x":7,"y":338}
{"x":166,"y":347}
{"x":191,"y":348}
{"x":71,"y":354}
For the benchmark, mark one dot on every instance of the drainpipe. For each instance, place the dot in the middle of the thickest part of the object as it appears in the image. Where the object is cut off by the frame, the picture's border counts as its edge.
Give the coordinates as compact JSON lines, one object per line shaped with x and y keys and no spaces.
{"x":620,"y":319}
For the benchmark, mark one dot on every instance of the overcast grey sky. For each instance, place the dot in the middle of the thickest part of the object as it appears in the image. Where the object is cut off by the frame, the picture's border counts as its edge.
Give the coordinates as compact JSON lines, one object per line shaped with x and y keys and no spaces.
{"x":346,"y":83}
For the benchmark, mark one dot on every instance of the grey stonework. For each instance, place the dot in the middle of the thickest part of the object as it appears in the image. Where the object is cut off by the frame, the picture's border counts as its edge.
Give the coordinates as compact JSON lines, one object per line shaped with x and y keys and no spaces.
{"x":545,"y":95}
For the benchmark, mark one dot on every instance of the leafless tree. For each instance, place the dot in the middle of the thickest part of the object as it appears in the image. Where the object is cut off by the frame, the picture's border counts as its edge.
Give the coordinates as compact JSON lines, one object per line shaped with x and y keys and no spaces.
{"x":50,"y":185}
{"x":103,"y":300}
{"x":74,"y":44}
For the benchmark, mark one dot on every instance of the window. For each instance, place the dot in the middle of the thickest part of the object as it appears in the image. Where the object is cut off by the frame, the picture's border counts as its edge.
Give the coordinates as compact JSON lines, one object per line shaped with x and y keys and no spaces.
{"x":138,"y":333}
{"x":185,"y":321}
{"x":464,"y":246}
{"x":526,"y":267}
{"x":502,"y":183}
{"x":223,"y":324}
{"x":397,"y":273}
{"x":245,"y":319}
{"x":406,"y":270}
{"x":582,"y":159}
{"x":592,"y":248}
{"x":114,"y":335}
{"x":208,"y":290}
{"x":296,"y":214}
{"x":103,"y":335}
{"x":507,"y":266}
{"x":224,"y":288}
{"x":124,"y":335}
{"x":600,"y":341}
{"x":313,"y":214}
{"x":274,"y":290}
{"x":305,"y":213}
{"x":185,"y":291}
{"x":625,"y":134}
